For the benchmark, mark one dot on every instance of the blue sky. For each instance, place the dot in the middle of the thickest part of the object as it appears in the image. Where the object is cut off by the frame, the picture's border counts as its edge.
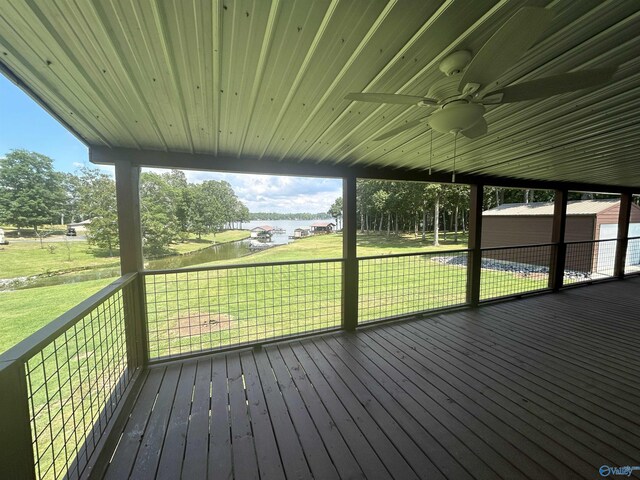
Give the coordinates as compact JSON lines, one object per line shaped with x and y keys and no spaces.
{"x":25,"y":125}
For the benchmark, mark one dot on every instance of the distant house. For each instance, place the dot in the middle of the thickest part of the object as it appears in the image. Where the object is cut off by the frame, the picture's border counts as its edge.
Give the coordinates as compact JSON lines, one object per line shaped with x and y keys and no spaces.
{"x":301,"y":232}
{"x":531,"y":223}
{"x":322,"y":227}
{"x":263,"y":231}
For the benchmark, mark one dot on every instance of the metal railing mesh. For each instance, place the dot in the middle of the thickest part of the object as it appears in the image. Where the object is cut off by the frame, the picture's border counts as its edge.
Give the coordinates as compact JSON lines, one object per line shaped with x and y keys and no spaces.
{"x":208,"y":309}
{"x":514,"y":270}
{"x":632,"y":263}
{"x":404,"y":284}
{"x":589,"y":260}
{"x":74,"y":385}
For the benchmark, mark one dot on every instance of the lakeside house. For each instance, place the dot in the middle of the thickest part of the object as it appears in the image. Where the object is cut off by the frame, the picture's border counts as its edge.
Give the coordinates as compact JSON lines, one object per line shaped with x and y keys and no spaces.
{"x":319,"y":228}
{"x":302,"y":232}
{"x":262,"y":232}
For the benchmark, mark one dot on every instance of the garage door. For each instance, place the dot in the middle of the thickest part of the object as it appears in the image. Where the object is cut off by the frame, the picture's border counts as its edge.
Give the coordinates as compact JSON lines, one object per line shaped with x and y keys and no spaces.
{"x":607,"y":250}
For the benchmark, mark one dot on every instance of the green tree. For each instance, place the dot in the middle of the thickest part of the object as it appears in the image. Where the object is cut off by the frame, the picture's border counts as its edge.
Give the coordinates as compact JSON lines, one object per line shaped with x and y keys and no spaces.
{"x":335,"y":210}
{"x":97,"y":201}
{"x":31,"y":191}
{"x":158,"y":212}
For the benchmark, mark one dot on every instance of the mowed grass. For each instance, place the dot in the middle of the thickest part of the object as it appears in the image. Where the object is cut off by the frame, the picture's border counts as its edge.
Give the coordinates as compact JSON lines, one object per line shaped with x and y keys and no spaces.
{"x":193,"y":243}
{"x":23,"y":258}
{"x":26,"y":311}
{"x":26,"y":258}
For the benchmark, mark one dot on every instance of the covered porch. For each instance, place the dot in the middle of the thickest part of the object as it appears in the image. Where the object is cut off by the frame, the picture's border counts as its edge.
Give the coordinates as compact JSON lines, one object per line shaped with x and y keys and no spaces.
{"x":545,"y":387}
{"x":414,"y":367}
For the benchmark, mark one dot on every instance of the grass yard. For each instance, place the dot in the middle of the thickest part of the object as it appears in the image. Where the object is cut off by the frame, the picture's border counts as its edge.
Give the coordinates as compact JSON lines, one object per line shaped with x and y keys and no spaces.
{"x":26,"y":311}
{"x":193,"y":243}
{"x":26,"y":258}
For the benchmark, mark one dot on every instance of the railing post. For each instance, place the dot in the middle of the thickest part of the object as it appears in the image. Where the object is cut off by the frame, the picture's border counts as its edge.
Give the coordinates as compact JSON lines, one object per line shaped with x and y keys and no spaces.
{"x":131,"y":260}
{"x":474,"y":261}
{"x":624,"y":217}
{"x":16,"y":447}
{"x":559,"y":255}
{"x":349,"y":254}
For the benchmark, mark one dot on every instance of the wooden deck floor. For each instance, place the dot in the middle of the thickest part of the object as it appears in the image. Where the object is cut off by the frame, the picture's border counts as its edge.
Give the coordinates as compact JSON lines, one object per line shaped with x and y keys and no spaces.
{"x":543,"y":387}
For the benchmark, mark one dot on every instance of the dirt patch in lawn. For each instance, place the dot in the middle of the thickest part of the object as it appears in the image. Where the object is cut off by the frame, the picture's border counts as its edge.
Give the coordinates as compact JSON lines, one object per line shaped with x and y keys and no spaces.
{"x":203,"y":323}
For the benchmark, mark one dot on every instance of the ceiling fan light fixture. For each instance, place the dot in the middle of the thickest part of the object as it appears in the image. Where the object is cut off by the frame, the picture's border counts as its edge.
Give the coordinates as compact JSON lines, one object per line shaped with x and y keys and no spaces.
{"x":456,"y":117}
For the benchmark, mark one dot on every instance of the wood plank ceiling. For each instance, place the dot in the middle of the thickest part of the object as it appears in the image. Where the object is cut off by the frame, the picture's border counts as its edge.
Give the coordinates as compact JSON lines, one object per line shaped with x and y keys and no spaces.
{"x":267,"y":79}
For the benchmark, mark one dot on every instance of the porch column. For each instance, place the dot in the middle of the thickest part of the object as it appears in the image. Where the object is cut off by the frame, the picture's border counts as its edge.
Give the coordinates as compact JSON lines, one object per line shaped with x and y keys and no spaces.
{"x":559,"y":254}
{"x":623,"y":234}
{"x":349,"y":255}
{"x":474,"y":261}
{"x":131,"y":259}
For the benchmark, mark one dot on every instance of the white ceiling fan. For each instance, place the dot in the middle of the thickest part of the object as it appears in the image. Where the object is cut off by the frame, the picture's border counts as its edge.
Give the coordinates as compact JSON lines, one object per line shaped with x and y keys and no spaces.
{"x":459,"y":99}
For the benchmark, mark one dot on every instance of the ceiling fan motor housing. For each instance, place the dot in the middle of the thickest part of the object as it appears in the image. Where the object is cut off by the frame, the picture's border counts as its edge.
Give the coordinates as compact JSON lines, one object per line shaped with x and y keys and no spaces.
{"x":456,"y":117}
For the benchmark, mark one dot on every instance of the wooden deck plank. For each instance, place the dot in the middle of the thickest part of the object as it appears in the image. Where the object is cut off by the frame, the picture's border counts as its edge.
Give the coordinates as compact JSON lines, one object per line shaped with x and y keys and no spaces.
{"x":385,"y":436}
{"x":127,"y":449}
{"x":557,"y":377}
{"x":433,"y":359}
{"x":268,"y":456}
{"x":550,"y":366}
{"x":328,"y":432}
{"x":436,"y":441}
{"x":245,"y":461}
{"x":197,"y":441}
{"x":172,"y":454}
{"x":595,"y":345}
{"x":492,"y":426}
{"x":317,"y":456}
{"x":220,"y":464}
{"x":584,"y":437}
{"x":293,"y":458}
{"x":356,"y":440}
{"x":146,"y":464}
{"x":544,"y":387}
{"x":498,"y":453}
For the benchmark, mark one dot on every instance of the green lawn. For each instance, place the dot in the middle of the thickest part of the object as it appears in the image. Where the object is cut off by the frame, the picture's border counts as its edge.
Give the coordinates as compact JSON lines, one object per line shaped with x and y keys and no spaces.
{"x":194,"y":243}
{"x":26,"y":258}
{"x":301,"y":298}
{"x":26,"y":311}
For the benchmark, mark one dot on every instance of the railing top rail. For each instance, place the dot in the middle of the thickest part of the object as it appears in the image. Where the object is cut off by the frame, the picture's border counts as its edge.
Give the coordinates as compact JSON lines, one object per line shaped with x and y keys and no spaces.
{"x":602,"y":240}
{"x":238,"y":265}
{"x":38,"y":340}
{"x":415,"y":254}
{"x":514,"y":247}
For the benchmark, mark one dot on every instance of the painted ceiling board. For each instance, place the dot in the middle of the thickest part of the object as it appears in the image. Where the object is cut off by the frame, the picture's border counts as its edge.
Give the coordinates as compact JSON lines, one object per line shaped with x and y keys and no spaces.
{"x":266,"y":79}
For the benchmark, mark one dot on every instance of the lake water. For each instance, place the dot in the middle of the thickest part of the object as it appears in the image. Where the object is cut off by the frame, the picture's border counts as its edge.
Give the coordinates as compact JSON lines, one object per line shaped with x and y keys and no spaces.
{"x":288,"y":225}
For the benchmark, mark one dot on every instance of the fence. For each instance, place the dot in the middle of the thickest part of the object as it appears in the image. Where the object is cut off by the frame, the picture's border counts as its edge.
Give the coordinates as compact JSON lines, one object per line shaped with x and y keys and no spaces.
{"x":515,"y":270}
{"x":64,"y":383}
{"x":393,"y":285}
{"x":192,"y":310}
{"x":632,"y":263}
{"x":589,"y":260}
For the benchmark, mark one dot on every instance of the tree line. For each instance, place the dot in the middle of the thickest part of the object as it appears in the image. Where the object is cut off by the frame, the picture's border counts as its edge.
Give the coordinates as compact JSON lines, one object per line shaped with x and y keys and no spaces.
{"x":33,"y":194}
{"x":392,"y":207}
{"x":286,"y":216}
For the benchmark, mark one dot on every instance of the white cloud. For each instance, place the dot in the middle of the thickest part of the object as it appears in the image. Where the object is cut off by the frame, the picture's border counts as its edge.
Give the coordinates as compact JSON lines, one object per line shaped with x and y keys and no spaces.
{"x":274,"y":193}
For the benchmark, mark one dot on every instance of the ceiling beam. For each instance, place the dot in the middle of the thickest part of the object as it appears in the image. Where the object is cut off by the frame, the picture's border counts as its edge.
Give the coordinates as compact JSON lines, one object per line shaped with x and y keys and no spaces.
{"x":101,"y":155}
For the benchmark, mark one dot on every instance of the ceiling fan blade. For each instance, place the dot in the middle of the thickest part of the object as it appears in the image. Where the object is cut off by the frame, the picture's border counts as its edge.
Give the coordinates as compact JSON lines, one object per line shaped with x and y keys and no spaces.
{"x":555,"y":85}
{"x":506,"y":46}
{"x":401,"y":128}
{"x":385,"y":98}
{"x":477,"y":130}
